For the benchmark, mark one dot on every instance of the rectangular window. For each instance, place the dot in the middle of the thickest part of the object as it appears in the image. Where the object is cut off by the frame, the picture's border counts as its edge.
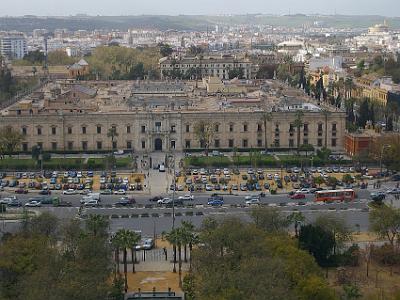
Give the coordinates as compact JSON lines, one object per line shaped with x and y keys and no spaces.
{"x":333,"y":127}
{"x":259,"y":143}
{"x":334,"y":133}
{"x":291,"y":143}
{"x":53,"y":146}
{"x":83,"y":129}
{"x":70,"y":145}
{"x":230,"y":127}
{"x":172,"y":144}
{"x":187,"y":144}
{"x":173,"y":129}
{"x":143,"y":144}
{"x":259,"y":127}
{"x":53,"y":130}
{"x":245,"y":127}
{"x":333,"y":142}
{"x":24,"y":130}
{"x":187,"y":128}
{"x":231,"y":143}
{"x":25,"y":147}
{"x":216,"y":143}
{"x":98,"y":129}
{"x":128,"y":145}
{"x":39,"y":131}
{"x":319,"y":142}
{"x":128,"y":129}
{"x":69,"y":130}
{"x":143,"y":130}
{"x":319,"y":133}
{"x":305,"y":127}
{"x":245,"y":143}
{"x":276,"y":143}
{"x":84,"y":145}
{"x":320,"y":127}
{"x":216,"y":127}
{"x":99,"y":145}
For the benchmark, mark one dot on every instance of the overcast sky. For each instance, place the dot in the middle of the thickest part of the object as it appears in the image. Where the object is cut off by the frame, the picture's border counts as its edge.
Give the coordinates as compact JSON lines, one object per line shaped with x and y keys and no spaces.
{"x":175,"y":7}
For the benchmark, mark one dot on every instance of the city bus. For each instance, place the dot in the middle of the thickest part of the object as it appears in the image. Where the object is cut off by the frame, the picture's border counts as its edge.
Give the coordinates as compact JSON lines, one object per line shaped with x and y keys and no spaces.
{"x":335,"y":195}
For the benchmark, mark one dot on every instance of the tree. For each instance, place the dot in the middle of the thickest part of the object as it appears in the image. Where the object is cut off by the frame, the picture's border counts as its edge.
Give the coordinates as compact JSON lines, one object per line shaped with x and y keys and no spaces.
{"x":165,"y":49}
{"x":298,"y":122}
{"x":10,"y":140}
{"x":324,"y":154}
{"x":173,"y":238}
{"x":326,"y":114}
{"x":112,"y":133}
{"x":351,"y":292}
{"x":296,"y":218}
{"x":97,"y":225}
{"x":269,"y":219}
{"x":337,"y":227}
{"x":331,"y":181}
{"x":364,"y":113}
{"x":238,"y":260}
{"x":318,"y":242}
{"x":319,"y":180}
{"x":204,"y":132}
{"x":347,"y":178}
{"x":236,"y":73}
{"x":306,"y":148}
{"x":385,"y":221}
{"x":59,"y":57}
{"x":266,"y":117}
{"x":126,"y":239}
{"x":34,"y":57}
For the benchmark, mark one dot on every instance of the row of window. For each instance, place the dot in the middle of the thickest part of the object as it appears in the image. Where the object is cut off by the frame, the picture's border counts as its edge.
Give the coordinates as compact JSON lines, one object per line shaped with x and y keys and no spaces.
{"x":245,"y":127}
{"x":245,"y":143}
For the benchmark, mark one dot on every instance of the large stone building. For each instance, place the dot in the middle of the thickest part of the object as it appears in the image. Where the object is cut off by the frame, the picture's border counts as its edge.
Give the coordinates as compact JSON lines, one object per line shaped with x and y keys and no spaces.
{"x":204,"y":66}
{"x":70,"y":117}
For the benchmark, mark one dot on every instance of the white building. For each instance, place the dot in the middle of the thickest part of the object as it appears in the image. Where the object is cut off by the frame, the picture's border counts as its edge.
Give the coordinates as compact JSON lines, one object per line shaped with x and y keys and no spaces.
{"x":13,"y":46}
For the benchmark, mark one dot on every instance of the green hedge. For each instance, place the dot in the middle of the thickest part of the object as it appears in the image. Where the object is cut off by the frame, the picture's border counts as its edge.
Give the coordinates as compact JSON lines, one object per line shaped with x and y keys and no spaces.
{"x":206,"y":161}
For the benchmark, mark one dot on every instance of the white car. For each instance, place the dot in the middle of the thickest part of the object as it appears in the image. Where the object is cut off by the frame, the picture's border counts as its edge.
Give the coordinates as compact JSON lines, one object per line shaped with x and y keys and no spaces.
{"x":120,"y":192}
{"x":8,"y":200}
{"x":303,"y":191}
{"x":69,"y":192}
{"x":102,"y":180}
{"x":91,"y":203}
{"x":125,"y":180}
{"x":79,"y":174}
{"x":66,"y":174}
{"x":33,"y":203}
{"x":226,"y":171}
{"x":209,"y":187}
{"x":253,"y":201}
{"x":164,"y":201}
{"x":186,"y":197}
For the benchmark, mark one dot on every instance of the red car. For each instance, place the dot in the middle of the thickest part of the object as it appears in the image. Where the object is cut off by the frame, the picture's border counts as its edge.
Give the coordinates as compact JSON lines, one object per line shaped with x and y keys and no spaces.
{"x":297,"y":196}
{"x":21,"y":191}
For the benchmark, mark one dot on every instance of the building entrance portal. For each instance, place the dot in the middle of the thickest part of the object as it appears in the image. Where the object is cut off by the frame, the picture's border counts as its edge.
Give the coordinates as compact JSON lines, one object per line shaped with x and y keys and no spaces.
{"x":158,"y":144}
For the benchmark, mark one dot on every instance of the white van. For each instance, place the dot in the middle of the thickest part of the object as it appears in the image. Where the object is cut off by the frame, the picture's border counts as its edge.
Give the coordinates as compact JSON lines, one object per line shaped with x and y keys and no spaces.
{"x":161,"y":168}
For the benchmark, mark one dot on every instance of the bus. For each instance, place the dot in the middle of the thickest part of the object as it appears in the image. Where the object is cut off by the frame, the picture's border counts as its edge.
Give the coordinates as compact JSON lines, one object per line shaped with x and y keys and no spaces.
{"x":335,"y":195}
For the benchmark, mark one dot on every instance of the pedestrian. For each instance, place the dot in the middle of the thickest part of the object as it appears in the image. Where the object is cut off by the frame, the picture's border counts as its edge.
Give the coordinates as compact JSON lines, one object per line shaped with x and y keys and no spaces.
{"x":165,"y":253}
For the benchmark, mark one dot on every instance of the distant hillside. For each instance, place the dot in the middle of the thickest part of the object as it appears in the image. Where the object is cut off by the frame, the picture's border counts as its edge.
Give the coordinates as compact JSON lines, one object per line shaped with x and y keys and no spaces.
{"x":192,"y":23}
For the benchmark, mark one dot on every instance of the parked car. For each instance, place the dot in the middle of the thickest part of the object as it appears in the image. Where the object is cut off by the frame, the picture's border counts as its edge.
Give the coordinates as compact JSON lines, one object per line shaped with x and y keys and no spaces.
{"x":45,"y":192}
{"x":91,"y":203}
{"x":187,"y":197}
{"x":378,"y":196}
{"x":215,"y":202}
{"x":120,"y":192}
{"x":253,"y":201}
{"x":21,"y":191}
{"x":297,"y":196}
{"x":125,"y":201}
{"x":70,"y":192}
{"x":33,"y":203}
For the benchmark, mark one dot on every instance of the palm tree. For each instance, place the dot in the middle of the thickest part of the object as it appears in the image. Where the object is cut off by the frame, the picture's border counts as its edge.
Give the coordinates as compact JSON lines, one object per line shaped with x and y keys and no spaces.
{"x":115,"y":243}
{"x":172,"y":238}
{"x":125,"y":240}
{"x":191,"y":239}
{"x":97,"y":225}
{"x":266,"y":117}
{"x":326,"y":113}
{"x":134,"y":239}
{"x":180,"y":239}
{"x":298,"y":122}
{"x":112,"y":133}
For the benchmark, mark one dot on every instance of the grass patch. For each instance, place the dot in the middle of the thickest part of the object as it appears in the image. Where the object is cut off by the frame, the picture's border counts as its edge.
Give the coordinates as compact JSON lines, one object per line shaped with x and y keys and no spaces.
{"x":208,"y":161}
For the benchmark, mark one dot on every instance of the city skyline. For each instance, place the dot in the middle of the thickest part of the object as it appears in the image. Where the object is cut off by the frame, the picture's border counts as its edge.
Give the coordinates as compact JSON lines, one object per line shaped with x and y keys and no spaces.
{"x":206,"y":7}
